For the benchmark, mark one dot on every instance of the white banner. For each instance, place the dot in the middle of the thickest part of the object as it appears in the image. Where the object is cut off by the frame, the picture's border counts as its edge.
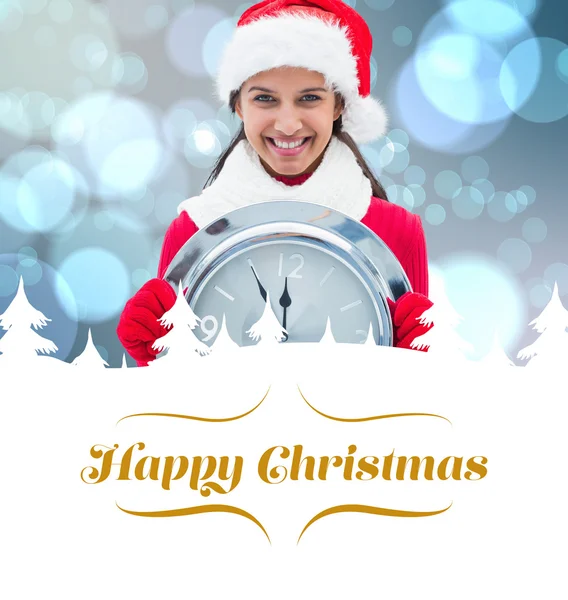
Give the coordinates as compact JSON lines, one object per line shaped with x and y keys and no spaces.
{"x":273,"y":471}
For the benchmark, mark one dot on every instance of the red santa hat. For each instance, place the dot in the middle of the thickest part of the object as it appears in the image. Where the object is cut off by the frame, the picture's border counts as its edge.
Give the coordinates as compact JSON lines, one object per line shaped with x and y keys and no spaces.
{"x":327,"y":36}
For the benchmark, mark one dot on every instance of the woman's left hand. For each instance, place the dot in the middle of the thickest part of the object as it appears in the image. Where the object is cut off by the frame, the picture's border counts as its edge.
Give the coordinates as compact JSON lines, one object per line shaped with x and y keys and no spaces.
{"x":405,"y":314}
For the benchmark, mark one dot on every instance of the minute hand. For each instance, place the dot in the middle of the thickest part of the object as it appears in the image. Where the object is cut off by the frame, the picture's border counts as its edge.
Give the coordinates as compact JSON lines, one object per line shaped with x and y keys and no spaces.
{"x":260,"y":286}
{"x":285,"y":302}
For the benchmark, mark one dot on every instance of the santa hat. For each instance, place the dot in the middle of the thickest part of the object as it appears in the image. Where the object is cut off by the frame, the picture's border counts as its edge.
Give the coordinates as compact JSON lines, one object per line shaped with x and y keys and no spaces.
{"x":327,"y":36}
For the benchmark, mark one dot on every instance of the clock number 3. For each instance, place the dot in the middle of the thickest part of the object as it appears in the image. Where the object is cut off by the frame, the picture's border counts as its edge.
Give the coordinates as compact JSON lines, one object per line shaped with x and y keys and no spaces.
{"x":294,"y":274}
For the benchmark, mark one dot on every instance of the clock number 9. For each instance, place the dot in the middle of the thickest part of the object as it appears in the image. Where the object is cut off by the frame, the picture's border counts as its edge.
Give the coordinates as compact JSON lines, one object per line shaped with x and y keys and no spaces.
{"x":209,"y":331}
{"x":294,"y":273}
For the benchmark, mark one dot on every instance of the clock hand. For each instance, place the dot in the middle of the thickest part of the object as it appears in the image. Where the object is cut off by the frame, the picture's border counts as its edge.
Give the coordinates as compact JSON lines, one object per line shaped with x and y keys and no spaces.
{"x":285,"y":302}
{"x":260,"y":286}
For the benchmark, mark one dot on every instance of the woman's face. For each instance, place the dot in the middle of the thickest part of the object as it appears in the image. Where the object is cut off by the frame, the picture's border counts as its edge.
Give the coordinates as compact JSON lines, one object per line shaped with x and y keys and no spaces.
{"x":288,"y":105}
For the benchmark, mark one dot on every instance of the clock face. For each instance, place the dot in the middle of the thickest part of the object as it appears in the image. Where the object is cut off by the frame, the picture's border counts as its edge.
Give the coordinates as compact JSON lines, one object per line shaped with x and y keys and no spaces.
{"x":305,"y":286}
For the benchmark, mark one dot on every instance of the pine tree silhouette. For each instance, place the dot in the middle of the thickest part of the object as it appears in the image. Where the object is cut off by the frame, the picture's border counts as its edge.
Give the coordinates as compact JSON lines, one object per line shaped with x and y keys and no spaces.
{"x":442,"y":338}
{"x":328,"y":337}
{"x":267,"y":329}
{"x":20,"y":340}
{"x":497,"y":357}
{"x":370,"y":341}
{"x":224,"y":342}
{"x":551,"y":347}
{"x":180,"y":341}
{"x":90,"y":357}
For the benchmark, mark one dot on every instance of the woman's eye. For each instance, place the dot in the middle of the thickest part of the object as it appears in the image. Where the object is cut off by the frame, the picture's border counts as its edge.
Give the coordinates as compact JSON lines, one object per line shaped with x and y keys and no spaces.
{"x":312,"y":97}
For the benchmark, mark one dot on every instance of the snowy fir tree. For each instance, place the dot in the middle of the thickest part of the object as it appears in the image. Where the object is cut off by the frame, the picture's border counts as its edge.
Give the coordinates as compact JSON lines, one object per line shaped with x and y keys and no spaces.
{"x":370,"y":341}
{"x":551,"y":347}
{"x":496,"y":357}
{"x":21,"y":341}
{"x":267,"y":328}
{"x":328,"y":337}
{"x":224,"y":343}
{"x":442,"y":339}
{"x":90,"y":357}
{"x":180,"y":341}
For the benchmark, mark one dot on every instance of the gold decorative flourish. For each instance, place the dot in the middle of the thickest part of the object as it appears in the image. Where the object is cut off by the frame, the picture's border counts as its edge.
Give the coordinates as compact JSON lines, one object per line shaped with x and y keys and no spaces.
{"x":204,"y":419}
{"x":198,"y":510}
{"x":371,"y":510}
{"x":374,"y":418}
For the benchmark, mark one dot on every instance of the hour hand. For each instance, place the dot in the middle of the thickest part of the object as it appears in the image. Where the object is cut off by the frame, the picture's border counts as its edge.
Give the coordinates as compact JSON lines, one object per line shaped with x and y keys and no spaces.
{"x":260,"y":286}
{"x":285,"y":302}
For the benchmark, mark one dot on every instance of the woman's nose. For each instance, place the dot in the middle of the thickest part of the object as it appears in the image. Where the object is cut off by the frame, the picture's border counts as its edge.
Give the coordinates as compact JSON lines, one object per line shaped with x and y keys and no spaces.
{"x":288,"y":121}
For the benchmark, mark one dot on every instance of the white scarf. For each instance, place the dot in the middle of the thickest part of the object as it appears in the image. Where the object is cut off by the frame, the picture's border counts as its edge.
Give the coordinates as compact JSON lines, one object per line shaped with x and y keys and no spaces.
{"x":337,"y":183}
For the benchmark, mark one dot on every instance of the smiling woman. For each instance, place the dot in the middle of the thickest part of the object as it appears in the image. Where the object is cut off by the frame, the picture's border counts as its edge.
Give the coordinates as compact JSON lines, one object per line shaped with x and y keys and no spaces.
{"x":298,"y":76}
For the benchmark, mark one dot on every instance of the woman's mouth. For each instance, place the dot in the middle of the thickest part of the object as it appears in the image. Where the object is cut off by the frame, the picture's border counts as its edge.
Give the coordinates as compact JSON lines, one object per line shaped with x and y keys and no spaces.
{"x":288,"y":151}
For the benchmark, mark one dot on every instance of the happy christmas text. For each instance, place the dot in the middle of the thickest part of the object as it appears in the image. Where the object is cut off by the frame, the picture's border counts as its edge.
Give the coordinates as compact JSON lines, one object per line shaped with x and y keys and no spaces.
{"x":277,"y":464}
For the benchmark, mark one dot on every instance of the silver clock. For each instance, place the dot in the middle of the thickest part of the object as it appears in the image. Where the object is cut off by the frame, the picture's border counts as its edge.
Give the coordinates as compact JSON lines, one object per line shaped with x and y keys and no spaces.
{"x":312,"y":262}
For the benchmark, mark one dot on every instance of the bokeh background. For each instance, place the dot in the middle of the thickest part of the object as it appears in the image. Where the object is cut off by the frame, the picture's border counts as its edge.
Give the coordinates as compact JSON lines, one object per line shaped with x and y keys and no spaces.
{"x":108,"y":120}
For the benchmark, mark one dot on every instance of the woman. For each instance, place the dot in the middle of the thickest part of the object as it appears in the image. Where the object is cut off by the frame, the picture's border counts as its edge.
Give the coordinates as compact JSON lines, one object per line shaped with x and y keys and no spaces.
{"x":297,"y":74}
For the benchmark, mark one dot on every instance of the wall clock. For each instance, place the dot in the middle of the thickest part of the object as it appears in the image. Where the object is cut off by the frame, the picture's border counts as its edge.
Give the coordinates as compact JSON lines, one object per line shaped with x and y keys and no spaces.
{"x":312,"y":262}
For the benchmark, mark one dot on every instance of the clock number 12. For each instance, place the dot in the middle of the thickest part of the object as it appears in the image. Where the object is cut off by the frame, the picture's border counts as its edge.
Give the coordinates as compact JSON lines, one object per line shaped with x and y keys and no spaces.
{"x":294,"y":274}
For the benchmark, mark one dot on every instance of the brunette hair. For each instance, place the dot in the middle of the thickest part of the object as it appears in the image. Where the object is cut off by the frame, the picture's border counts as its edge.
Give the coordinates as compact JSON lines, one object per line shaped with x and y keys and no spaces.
{"x":377,"y":189}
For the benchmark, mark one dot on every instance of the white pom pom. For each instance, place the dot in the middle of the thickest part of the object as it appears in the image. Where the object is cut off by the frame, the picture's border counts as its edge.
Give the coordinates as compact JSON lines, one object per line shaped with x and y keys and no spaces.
{"x":364,"y":119}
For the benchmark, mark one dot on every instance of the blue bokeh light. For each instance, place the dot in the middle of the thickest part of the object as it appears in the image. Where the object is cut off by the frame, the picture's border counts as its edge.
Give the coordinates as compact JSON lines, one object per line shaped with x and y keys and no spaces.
{"x":486,"y":188}
{"x":129,"y":73}
{"x":459,"y":74}
{"x":447,"y":184}
{"x":490,"y":19}
{"x":488,"y":298}
{"x":394,"y":158}
{"x":516,"y":254}
{"x":123,"y":150}
{"x":415,"y":196}
{"x":529,"y":192}
{"x":99,"y":282}
{"x":402,"y":36}
{"x":530,"y":82}
{"x":40,"y":192}
{"x":502,"y":207}
{"x":562,"y":64}
{"x":534,"y":230}
{"x":540,"y":294}
{"x":214,"y":43}
{"x":433,"y":129}
{"x":206,"y":142}
{"x":186,"y":36}
{"x":474,"y":168}
{"x":435,"y":214}
{"x":468,"y":203}
{"x":415,"y":174}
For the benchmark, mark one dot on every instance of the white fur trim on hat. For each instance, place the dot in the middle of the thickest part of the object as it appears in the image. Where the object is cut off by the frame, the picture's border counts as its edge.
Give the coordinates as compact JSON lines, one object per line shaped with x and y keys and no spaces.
{"x":302,"y":40}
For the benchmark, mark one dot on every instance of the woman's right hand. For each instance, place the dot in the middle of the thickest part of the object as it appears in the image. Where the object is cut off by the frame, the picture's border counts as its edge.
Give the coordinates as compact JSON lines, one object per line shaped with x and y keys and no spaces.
{"x":139,"y":326}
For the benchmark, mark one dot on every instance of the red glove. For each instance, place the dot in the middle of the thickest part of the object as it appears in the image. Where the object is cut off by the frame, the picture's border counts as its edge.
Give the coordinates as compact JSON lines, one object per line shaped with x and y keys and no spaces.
{"x":139,"y":325}
{"x":406,"y":313}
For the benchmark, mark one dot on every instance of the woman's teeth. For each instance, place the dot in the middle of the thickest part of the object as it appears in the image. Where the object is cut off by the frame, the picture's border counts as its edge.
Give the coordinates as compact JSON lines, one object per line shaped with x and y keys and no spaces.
{"x":285,"y":145}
